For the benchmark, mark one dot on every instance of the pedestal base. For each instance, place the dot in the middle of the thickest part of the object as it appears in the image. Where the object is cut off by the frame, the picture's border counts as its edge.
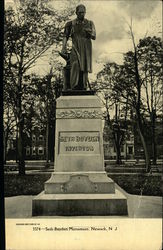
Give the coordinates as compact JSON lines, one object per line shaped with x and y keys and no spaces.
{"x":79,"y":182}
{"x":80,"y":204}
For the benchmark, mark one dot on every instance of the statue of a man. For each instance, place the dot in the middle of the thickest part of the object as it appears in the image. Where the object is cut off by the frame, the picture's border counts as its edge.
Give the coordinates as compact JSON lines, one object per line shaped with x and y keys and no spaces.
{"x":81,"y":31}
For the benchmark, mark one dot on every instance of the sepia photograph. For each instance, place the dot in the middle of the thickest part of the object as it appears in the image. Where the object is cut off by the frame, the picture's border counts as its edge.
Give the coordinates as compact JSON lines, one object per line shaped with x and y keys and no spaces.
{"x":82,"y":124}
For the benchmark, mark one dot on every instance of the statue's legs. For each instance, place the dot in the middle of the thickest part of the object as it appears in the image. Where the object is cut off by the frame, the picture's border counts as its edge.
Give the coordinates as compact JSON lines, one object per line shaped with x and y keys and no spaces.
{"x":74,"y":75}
{"x":83,"y":79}
{"x":78,"y":79}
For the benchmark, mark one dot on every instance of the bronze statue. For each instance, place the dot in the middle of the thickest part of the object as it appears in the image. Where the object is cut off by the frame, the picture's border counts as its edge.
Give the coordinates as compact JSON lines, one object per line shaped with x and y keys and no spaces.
{"x":79,"y":61}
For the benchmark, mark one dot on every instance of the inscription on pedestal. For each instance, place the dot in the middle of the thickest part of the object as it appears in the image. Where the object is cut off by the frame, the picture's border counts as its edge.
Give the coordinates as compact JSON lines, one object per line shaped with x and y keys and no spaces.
{"x":79,"y":143}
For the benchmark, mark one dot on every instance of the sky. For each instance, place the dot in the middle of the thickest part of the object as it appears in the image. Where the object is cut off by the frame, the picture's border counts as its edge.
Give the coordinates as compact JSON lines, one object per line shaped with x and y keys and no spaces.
{"x":111,"y":19}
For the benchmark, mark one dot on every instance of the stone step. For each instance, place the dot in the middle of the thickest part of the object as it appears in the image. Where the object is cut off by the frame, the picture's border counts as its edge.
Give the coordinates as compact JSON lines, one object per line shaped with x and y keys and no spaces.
{"x":79,"y":205}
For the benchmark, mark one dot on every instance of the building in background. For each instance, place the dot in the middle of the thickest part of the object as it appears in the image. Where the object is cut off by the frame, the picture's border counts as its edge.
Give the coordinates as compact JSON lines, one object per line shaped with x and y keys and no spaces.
{"x":34,"y":146}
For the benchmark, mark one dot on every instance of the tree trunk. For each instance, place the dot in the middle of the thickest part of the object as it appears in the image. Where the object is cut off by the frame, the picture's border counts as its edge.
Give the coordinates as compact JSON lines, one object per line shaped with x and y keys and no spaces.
{"x":138,"y":107}
{"x":16,"y":156}
{"x":138,"y":103}
{"x":117,"y":137}
{"x":47,"y":143}
{"x":4,"y":148}
{"x":118,"y":154}
{"x":147,"y":159}
{"x":47,"y":131}
{"x":51,"y":142}
{"x":48,"y":86}
{"x":117,"y":146}
{"x":21,"y":163}
{"x":154,"y":149}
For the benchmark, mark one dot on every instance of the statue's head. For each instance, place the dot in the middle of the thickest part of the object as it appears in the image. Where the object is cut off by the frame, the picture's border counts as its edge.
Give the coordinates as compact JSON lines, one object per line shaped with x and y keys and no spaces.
{"x":80,"y":11}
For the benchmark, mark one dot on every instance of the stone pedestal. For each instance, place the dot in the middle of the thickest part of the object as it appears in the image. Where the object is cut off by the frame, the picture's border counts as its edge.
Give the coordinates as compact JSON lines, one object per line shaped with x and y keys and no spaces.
{"x":79,"y":184}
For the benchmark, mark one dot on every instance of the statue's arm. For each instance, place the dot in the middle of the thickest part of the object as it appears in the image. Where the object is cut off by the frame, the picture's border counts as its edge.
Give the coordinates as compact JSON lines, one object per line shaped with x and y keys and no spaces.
{"x":91,"y":31}
{"x":93,"y":35}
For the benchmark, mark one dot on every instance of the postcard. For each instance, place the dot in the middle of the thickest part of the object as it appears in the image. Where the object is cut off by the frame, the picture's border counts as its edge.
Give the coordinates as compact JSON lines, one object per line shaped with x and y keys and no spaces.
{"x":82,"y":139}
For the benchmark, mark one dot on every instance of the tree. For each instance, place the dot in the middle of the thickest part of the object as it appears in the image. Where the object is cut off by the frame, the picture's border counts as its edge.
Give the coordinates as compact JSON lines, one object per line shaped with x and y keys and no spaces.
{"x":53,"y":87}
{"x":46,"y":90}
{"x":107,"y":78}
{"x":30,"y":30}
{"x":138,"y":70}
{"x":141,"y":69}
{"x":130,"y":89}
{"x":150,"y":52}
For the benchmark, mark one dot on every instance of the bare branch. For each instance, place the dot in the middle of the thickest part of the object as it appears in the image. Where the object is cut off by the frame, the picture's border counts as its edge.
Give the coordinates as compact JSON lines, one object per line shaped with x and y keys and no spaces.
{"x":34,"y":58}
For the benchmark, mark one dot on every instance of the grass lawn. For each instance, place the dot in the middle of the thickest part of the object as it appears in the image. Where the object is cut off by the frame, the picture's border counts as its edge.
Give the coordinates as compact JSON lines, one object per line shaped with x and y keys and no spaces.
{"x":33,"y":184}
{"x":139,"y":184}
{"x":24,"y":185}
